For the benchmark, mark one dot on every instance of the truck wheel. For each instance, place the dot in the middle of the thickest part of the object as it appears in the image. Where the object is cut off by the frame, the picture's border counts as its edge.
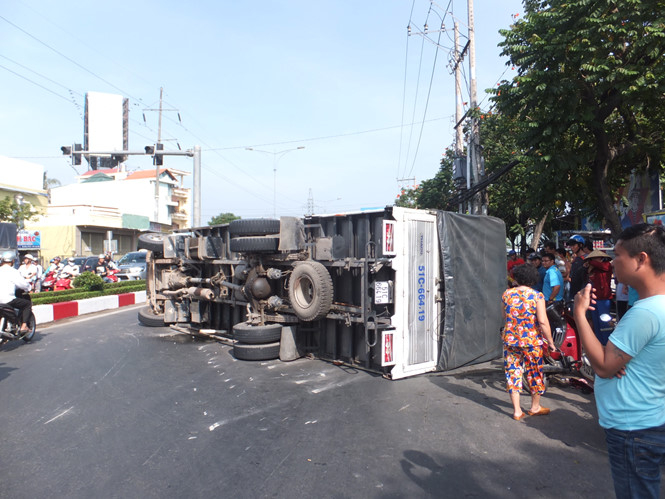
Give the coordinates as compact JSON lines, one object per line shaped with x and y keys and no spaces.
{"x":254,"y":244}
{"x":257,"y":335}
{"x":152,"y":241}
{"x":253,"y":227}
{"x":268,"y":351}
{"x":148,"y":318}
{"x":310,"y":291}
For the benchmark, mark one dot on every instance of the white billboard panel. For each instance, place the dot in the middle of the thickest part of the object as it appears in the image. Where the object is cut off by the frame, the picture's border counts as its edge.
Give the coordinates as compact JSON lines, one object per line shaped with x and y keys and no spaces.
{"x":104,"y":118}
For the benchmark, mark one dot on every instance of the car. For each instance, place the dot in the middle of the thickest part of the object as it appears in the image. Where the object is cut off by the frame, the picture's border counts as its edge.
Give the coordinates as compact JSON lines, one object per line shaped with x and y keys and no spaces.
{"x":132,"y":266}
{"x":89,"y":264}
{"x":80,"y":261}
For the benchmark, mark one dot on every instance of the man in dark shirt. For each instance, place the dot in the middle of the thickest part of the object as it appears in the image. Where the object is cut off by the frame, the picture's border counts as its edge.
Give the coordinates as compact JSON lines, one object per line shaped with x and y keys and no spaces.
{"x":578,"y":275}
{"x":101,"y":268}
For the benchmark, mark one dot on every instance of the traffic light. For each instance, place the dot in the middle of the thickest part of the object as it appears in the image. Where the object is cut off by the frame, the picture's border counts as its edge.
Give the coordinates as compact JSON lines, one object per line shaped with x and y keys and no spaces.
{"x":157,"y":159}
{"x":74,"y":152}
{"x":76,"y":156}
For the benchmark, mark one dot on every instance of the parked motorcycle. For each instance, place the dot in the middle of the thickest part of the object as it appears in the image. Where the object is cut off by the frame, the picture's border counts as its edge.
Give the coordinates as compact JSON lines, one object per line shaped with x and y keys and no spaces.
{"x":10,"y":324}
{"x":568,"y":358}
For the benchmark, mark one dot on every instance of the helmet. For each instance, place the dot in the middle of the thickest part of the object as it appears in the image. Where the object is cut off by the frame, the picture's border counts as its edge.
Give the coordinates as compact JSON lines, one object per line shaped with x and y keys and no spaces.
{"x":576,"y":239}
{"x":8,"y":256}
{"x":101,"y":255}
{"x":71,"y":259}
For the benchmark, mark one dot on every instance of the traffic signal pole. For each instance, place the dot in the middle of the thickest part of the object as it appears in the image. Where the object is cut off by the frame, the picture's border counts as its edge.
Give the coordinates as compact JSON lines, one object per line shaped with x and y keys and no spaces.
{"x":75,"y":152}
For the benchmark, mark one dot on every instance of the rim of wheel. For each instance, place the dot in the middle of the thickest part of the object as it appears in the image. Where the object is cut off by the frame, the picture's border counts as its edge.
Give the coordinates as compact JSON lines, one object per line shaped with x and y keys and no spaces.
{"x":304,"y":292}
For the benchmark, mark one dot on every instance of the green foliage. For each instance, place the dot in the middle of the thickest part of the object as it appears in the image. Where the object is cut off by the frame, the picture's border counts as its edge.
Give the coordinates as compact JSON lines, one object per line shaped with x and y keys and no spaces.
{"x":88,"y":281}
{"x":11,"y":211}
{"x":587,"y":101}
{"x":222,"y":218}
{"x":114,"y":288}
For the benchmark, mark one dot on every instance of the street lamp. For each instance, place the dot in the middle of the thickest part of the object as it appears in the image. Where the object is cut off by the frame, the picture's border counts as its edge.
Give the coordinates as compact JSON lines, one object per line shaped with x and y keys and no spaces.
{"x":276,"y":156}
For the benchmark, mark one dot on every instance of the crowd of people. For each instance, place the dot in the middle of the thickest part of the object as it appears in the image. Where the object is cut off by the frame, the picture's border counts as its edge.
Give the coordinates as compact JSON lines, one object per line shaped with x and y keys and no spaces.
{"x":629,"y":359}
{"x":32,"y":271}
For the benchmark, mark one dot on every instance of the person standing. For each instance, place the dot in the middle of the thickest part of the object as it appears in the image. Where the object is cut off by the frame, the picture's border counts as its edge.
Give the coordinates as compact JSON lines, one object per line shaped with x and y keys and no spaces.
{"x":621,"y":299}
{"x":513,"y":261}
{"x":536,"y":261}
{"x":630,"y":386}
{"x":553,"y":281}
{"x":526,"y":331}
{"x":578,"y":275}
{"x":599,"y":269}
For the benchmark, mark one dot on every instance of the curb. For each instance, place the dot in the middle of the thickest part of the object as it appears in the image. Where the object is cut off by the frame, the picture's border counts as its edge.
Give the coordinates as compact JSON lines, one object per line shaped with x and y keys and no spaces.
{"x":57,"y":311}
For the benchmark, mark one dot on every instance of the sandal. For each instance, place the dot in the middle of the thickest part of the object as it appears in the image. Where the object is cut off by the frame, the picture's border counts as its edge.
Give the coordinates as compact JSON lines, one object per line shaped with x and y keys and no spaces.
{"x":520,"y":417}
{"x":543,"y":411}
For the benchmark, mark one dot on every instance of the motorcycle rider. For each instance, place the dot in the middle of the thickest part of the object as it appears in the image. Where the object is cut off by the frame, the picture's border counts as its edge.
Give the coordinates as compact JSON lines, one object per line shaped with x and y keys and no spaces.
{"x":109,"y":262}
{"x":28,"y":270}
{"x":102,"y":268}
{"x":10,"y":281}
{"x":70,"y":270}
{"x":54,"y":266}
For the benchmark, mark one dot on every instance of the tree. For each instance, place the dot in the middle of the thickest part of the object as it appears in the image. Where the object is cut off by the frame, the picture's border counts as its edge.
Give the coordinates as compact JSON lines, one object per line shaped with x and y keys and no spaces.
{"x":587,"y":100}
{"x":11,"y":211}
{"x":222,"y":218}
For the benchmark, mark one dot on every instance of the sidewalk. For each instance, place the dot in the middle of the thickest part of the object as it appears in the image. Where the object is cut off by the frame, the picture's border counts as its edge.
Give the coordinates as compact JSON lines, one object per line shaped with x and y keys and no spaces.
{"x":55,"y":311}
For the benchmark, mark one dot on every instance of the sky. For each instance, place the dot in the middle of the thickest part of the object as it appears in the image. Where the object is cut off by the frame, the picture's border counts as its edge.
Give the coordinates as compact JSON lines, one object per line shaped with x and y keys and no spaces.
{"x":340,"y":106}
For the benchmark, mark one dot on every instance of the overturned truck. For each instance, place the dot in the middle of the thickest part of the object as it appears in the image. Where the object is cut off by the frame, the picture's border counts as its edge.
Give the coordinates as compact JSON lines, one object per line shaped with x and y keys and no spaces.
{"x":396,"y":291}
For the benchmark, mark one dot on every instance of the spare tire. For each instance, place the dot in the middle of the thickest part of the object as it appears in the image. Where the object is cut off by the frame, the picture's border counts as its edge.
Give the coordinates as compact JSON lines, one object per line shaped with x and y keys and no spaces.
{"x":152,"y":241}
{"x":257,"y":335}
{"x":254,"y":244}
{"x":268,"y":351}
{"x":253,"y":227}
{"x":310,"y":291}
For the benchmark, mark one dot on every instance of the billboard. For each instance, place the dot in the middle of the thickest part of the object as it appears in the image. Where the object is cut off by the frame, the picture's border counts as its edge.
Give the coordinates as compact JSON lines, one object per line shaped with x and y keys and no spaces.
{"x":29,"y":239}
{"x":105,"y":126}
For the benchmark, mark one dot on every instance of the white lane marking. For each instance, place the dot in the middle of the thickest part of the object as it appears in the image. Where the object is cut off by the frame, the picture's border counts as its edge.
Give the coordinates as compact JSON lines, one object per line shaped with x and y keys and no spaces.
{"x":59,"y":415}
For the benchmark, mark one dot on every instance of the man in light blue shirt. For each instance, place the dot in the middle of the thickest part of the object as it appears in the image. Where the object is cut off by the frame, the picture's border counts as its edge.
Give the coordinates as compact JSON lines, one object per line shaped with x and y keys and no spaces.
{"x":630,"y":385}
{"x":553,"y":280}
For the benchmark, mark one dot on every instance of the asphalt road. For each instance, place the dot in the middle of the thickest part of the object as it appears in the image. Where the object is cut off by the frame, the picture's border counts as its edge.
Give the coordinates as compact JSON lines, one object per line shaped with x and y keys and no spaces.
{"x":103,"y":407}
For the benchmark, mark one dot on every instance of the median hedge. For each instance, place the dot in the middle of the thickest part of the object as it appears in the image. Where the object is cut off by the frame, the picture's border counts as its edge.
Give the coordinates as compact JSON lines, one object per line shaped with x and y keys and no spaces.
{"x":112,"y":288}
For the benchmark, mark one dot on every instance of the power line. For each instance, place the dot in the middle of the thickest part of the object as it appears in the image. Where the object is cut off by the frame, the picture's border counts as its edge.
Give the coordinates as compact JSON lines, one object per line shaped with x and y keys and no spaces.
{"x":68,"y":58}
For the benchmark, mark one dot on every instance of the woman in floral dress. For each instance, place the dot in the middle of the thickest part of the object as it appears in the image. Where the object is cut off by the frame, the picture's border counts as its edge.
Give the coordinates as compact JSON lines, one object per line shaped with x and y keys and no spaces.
{"x":527,"y":330}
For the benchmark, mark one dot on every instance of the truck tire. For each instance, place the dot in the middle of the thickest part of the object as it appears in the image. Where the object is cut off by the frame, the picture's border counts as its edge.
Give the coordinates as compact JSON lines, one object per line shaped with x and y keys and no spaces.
{"x":254,"y":244}
{"x":152,"y":241}
{"x":148,"y":318}
{"x":253,"y":227}
{"x":257,"y":335}
{"x":268,"y":351}
{"x":310,"y":291}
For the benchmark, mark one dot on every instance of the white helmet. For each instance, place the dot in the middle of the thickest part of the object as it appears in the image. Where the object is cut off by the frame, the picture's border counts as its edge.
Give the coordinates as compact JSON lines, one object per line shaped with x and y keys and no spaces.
{"x":8,"y":256}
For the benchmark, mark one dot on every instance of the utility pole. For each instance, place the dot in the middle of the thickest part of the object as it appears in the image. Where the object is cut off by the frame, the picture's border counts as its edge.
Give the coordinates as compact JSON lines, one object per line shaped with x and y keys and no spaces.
{"x":196,"y":188}
{"x":158,"y":163}
{"x":478,"y":205}
{"x":459,"y":132}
